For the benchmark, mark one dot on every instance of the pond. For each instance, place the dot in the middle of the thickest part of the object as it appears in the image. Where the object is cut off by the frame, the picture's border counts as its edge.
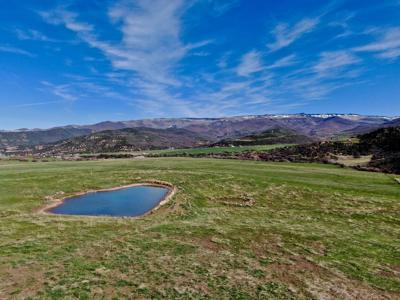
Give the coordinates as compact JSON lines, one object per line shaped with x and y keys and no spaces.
{"x":125,"y":202}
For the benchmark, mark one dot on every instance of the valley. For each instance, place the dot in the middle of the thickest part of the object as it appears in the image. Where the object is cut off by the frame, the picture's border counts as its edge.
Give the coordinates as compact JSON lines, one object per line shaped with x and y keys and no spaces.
{"x":237,"y":138}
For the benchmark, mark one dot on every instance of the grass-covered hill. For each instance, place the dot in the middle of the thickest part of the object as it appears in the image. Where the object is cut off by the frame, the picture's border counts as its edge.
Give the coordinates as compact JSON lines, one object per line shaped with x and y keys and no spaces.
{"x":129,"y":139}
{"x":234,"y":230}
{"x":384,"y":139}
{"x":275,"y":135}
{"x":382,"y":147}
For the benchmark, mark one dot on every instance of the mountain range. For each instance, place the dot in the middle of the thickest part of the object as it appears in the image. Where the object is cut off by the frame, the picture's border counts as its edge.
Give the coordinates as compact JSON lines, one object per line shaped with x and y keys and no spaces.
{"x":275,"y":135}
{"x":128,"y":139}
{"x":197,"y":131}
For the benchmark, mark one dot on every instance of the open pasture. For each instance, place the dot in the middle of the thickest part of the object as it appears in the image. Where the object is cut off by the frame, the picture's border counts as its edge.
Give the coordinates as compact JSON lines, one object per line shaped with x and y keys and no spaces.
{"x":235,"y":229}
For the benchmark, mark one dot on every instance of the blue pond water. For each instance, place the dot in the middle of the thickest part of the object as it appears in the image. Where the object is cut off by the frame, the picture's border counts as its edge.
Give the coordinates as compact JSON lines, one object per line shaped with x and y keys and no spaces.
{"x":127,"y":202}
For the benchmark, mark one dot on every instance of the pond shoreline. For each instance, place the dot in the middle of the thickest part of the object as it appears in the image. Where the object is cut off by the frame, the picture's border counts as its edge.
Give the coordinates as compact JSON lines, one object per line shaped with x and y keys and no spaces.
{"x":54,"y":201}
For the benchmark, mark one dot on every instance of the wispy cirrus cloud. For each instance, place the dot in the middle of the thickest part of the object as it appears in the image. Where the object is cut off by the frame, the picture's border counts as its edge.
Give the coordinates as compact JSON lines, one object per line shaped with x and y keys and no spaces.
{"x":62,"y":91}
{"x":314,"y":81}
{"x":386,"y":45}
{"x":284,"y":35}
{"x":15,"y":50}
{"x":250,"y":63}
{"x":81,"y":87}
{"x":330,"y":64}
{"x":147,"y":57}
{"x":35,"y":104}
{"x":151,"y":44}
{"x":220,"y":7}
{"x":32,"y":35}
{"x":61,"y":16}
{"x":285,"y":61}
{"x":150,"y":47}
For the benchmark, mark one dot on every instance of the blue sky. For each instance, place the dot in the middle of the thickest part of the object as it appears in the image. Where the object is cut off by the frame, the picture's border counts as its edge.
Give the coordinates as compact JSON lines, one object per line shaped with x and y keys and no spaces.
{"x":80,"y":62}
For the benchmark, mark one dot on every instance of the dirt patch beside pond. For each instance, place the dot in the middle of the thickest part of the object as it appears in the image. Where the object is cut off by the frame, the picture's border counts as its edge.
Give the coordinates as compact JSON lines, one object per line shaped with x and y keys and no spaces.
{"x":238,"y":201}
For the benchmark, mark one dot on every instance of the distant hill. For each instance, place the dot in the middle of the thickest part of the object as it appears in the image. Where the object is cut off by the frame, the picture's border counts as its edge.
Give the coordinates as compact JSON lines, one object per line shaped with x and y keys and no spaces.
{"x":378,"y":150}
{"x":315,"y":126}
{"x":382,"y":145}
{"x":275,"y":135}
{"x":368,"y":127}
{"x":395,"y":122}
{"x":128,"y":139}
{"x":383,"y":139}
{"x":35,"y":137}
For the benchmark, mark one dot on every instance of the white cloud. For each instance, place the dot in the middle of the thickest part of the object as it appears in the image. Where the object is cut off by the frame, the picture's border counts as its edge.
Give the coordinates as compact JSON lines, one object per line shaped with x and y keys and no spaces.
{"x":283,"y":62}
{"x":387,"y":45}
{"x":15,"y":50}
{"x":146,"y":61}
{"x":150,"y":47}
{"x":35,"y":104}
{"x":332,"y":62}
{"x":250,"y":63}
{"x":81,"y":87}
{"x":201,"y":53}
{"x":390,"y":54}
{"x":220,"y":7}
{"x":69,"y":19}
{"x":151,"y":42}
{"x":316,"y":80}
{"x":62,"y":91}
{"x":33,"y":35}
{"x":222,"y":62}
{"x":285,"y":35}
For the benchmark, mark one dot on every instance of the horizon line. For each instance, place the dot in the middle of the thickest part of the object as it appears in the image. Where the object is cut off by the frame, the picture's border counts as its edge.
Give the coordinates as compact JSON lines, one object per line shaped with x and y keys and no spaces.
{"x":393,"y":117}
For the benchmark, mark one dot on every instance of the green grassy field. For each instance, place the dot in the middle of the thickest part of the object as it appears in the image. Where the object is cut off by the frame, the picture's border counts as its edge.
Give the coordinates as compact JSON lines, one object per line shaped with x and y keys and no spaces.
{"x":350,"y":161}
{"x":218,"y":150}
{"x":314,"y":232}
{"x":202,"y":151}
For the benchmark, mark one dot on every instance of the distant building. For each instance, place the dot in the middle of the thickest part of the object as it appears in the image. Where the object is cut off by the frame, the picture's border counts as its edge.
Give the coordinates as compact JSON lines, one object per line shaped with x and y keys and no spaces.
{"x":15,"y":151}
{"x":3,"y":152}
